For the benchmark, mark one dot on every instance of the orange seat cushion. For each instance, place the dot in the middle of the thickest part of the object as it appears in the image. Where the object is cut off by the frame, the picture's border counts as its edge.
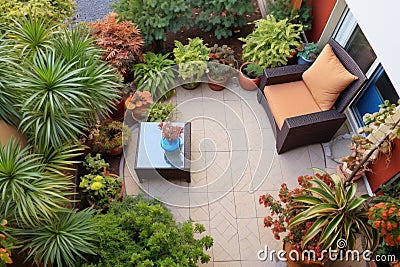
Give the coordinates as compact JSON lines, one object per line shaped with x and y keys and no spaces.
{"x":327,"y":78}
{"x":288,"y":100}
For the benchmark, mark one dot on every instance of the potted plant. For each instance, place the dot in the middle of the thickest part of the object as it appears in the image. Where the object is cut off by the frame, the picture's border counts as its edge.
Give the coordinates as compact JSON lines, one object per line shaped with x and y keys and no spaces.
{"x":120,"y":41}
{"x":223,"y":54}
{"x":192,"y":61}
{"x":161,"y":112}
{"x":111,"y":137}
{"x":218,"y":75}
{"x":125,"y":90}
{"x":307,"y":53}
{"x":250,"y":75}
{"x":170,"y":140}
{"x":100,"y":187}
{"x":316,"y":215}
{"x":374,"y":141}
{"x":271,"y":42}
{"x":384,"y":215}
{"x":155,"y":75}
{"x":138,"y":104}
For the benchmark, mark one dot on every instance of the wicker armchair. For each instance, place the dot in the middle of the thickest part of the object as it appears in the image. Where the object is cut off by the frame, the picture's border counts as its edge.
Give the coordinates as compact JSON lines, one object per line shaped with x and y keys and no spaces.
{"x":314,"y":127}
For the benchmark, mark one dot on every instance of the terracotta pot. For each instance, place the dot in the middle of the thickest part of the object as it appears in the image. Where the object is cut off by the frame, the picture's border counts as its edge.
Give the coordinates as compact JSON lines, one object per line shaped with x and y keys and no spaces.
{"x":216,"y":85}
{"x":293,"y":58}
{"x":300,"y":263}
{"x":116,"y":151}
{"x":191,"y":85}
{"x":119,"y":112}
{"x":245,"y":82}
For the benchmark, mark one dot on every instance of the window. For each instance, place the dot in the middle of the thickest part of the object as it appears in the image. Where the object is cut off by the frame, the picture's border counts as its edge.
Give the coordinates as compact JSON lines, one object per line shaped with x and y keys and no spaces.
{"x":378,"y":89}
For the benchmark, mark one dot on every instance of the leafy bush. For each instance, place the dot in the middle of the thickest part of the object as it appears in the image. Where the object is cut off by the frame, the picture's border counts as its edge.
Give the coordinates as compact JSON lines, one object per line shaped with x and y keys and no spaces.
{"x":57,"y":10}
{"x":139,"y":232}
{"x":270,"y":43}
{"x":192,"y":58}
{"x":161,"y":112}
{"x":155,"y":75}
{"x":155,"y":18}
{"x":283,"y":9}
{"x":121,"y":41}
{"x":222,"y":16}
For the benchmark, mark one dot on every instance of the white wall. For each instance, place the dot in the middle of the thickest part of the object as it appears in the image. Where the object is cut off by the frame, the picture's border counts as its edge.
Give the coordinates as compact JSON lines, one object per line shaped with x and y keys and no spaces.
{"x":379,"y":21}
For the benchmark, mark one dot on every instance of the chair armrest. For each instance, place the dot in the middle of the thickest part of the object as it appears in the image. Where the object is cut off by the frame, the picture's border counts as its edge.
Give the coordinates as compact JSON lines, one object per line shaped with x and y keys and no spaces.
{"x":308,"y":129}
{"x":285,"y":74}
{"x":313,"y":118}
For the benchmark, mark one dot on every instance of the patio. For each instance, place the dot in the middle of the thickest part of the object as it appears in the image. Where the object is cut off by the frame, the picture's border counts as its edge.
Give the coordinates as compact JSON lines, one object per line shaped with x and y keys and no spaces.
{"x":233,"y":163}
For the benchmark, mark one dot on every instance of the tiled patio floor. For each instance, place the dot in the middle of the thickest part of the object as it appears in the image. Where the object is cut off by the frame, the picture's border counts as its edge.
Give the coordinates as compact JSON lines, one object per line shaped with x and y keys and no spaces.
{"x":233,"y":163}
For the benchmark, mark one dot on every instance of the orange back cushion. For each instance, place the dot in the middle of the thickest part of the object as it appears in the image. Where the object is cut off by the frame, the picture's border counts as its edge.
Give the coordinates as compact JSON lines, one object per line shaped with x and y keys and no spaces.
{"x":327,"y":78}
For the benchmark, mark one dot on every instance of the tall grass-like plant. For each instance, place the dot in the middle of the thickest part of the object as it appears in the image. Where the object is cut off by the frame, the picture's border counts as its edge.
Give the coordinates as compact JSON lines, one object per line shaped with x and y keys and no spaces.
{"x":29,"y":194}
{"x":155,"y":74}
{"x":62,"y":240}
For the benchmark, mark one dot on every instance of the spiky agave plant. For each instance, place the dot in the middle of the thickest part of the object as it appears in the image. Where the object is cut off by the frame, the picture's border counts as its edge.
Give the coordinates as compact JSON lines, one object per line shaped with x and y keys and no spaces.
{"x":336,"y":214}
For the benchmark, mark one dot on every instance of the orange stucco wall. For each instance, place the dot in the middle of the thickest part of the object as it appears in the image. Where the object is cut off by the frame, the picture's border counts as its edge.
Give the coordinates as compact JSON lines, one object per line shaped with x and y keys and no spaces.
{"x":321,"y":10}
{"x":7,"y":131}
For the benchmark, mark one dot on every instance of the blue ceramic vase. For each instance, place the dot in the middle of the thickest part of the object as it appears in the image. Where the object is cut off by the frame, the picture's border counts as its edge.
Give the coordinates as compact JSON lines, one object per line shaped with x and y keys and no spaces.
{"x":170,"y":146}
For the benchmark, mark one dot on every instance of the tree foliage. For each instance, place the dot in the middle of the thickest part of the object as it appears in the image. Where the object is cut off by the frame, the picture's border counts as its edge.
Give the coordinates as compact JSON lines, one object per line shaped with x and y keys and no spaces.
{"x":139,"y":232}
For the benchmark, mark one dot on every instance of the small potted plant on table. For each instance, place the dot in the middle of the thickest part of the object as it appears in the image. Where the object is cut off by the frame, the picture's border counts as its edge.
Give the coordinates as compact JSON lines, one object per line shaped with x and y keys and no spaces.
{"x":170,"y":140}
{"x":192,"y":61}
{"x":250,"y":75}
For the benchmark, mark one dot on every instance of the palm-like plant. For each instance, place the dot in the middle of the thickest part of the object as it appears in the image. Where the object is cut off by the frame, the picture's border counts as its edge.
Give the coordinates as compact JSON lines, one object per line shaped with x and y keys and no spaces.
{"x":28,"y":193}
{"x":335,"y":215}
{"x":58,"y":242}
{"x":7,"y":97}
{"x":65,"y":87}
{"x":31,"y":34}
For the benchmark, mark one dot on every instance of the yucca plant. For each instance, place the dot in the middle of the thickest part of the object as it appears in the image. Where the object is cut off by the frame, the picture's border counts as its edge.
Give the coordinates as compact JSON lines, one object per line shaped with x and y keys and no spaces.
{"x":29,"y":194}
{"x":7,"y":96}
{"x":336,"y":214}
{"x":155,"y":74}
{"x":30,"y":35}
{"x":62,"y":240}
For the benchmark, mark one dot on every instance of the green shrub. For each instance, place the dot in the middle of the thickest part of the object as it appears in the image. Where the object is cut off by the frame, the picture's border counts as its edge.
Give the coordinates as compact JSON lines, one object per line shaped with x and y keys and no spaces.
{"x":222,"y":16}
{"x":161,"y":112}
{"x":192,"y":58}
{"x":155,"y":17}
{"x":282,"y":9}
{"x":271,"y":42}
{"x":139,"y":232}
{"x":55,"y":10}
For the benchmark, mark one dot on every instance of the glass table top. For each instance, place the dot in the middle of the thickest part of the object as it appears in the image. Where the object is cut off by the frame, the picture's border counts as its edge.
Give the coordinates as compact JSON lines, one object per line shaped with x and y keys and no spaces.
{"x":149,"y":151}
